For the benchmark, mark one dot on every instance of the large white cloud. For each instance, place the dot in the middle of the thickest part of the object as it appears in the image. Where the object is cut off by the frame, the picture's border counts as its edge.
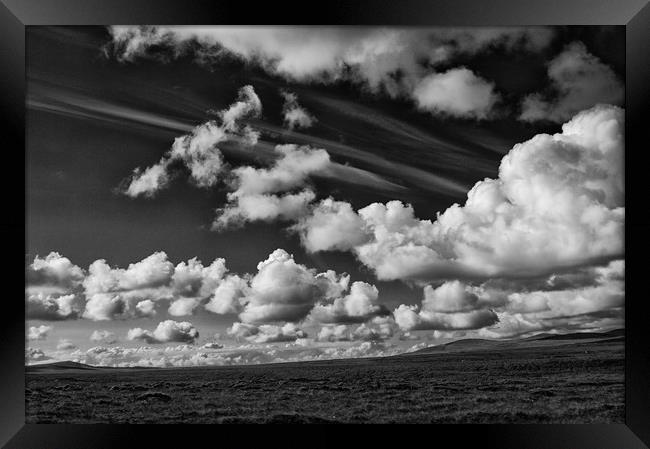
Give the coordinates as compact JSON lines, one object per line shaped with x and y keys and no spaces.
{"x":367,"y":55}
{"x":198,"y":151}
{"x":561,"y":197}
{"x":166,"y":331}
{"x":283,"y":290}
{"x":579,"y":80}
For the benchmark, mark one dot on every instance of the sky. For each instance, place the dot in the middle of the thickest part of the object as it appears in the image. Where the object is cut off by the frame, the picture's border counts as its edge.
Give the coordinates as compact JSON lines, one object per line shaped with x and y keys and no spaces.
{"x":230,"y":195}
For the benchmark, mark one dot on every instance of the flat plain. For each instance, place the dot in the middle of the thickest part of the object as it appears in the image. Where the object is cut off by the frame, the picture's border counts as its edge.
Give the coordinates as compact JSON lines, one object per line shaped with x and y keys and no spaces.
{"x":578,"y":378}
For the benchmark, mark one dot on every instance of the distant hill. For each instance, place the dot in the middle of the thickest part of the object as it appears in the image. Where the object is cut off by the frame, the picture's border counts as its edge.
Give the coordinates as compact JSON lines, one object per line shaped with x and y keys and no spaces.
{"x":58,"y":367}
{"x":477,"y":344}
{"x":75,"y":367}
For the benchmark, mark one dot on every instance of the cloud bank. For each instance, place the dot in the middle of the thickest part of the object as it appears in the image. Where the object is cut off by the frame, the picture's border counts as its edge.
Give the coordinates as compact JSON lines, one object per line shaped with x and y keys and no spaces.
{"x":401,"y":62}
{"x":559,"y":196}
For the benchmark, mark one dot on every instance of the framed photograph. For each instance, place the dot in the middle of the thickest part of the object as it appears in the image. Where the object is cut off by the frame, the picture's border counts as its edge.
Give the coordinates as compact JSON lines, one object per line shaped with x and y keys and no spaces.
{"x":357,"y":212}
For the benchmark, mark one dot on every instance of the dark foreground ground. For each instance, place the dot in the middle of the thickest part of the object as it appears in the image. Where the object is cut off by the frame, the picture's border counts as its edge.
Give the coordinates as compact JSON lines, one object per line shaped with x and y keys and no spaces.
{"x":544,"y":380}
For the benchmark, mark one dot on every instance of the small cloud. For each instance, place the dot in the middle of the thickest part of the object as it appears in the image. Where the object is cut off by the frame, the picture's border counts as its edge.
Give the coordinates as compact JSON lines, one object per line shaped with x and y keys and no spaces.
{"x":579,"y":81}
{"x":103,"y":336}
{"x":295,"y":116}
{"x":65,"y":344}
{"x":38,"y":333}
{"x":35,"y":355}
{"x":459,"y":92}
{"x":166,"y":331}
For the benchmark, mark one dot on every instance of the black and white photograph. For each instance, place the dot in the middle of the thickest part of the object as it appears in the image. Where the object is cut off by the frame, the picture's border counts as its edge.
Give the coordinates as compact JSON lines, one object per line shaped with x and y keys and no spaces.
{"x":325,"y":224}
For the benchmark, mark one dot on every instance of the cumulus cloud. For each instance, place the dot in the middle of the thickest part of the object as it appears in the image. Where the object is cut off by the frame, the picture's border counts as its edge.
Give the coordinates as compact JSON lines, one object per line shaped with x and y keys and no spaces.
{"x":103,"y":336}
{"x":283,"y":290}
{"x":453,"y":296}
{"x":166,"y":331}
{"x":594,"y":304}
{"x":579,"y":80}
{"x":152,"y":271}
{"x":34,"y":355}
{"x":106,"y":293}
{"x":266,"y":333}
{"x":338,"y":332}
{"x":192,"y":279}
{"x":65,"y":345}
{"x":104,"y":307}
{"x":227,"y":296}
{"x":198,"y":151}
{"x":295,"y":116}
{"x":146,"y":308}
{"x":369,"y":56}
{"x":192,"y":282}
{"x":54,"y":271}
{"x":135,"y":291}
{"x":409,"y":318}
{"x":378,"y":329}
{"x":331,"y":225}
{"x":263,"y":207}
{"x":359,"y":305}
{"x":148,"y":181}
{"x":183,"y":306}
{"x":509,"y":309}
{"x":38,"y":332}
{"x":457,"y":92}
{"x":254,"y":189}
{"x":49,"y":307}
{"x":451,"y":306}
{"x":559,"y":196}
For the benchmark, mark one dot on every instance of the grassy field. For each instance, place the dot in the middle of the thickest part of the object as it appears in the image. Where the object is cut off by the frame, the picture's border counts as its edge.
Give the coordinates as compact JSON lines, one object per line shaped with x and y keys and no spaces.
{"x":542,"y":381}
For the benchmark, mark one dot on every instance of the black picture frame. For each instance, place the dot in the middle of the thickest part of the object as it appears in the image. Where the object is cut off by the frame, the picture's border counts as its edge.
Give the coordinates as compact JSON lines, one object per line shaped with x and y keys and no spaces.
{"x":15,"y":15}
